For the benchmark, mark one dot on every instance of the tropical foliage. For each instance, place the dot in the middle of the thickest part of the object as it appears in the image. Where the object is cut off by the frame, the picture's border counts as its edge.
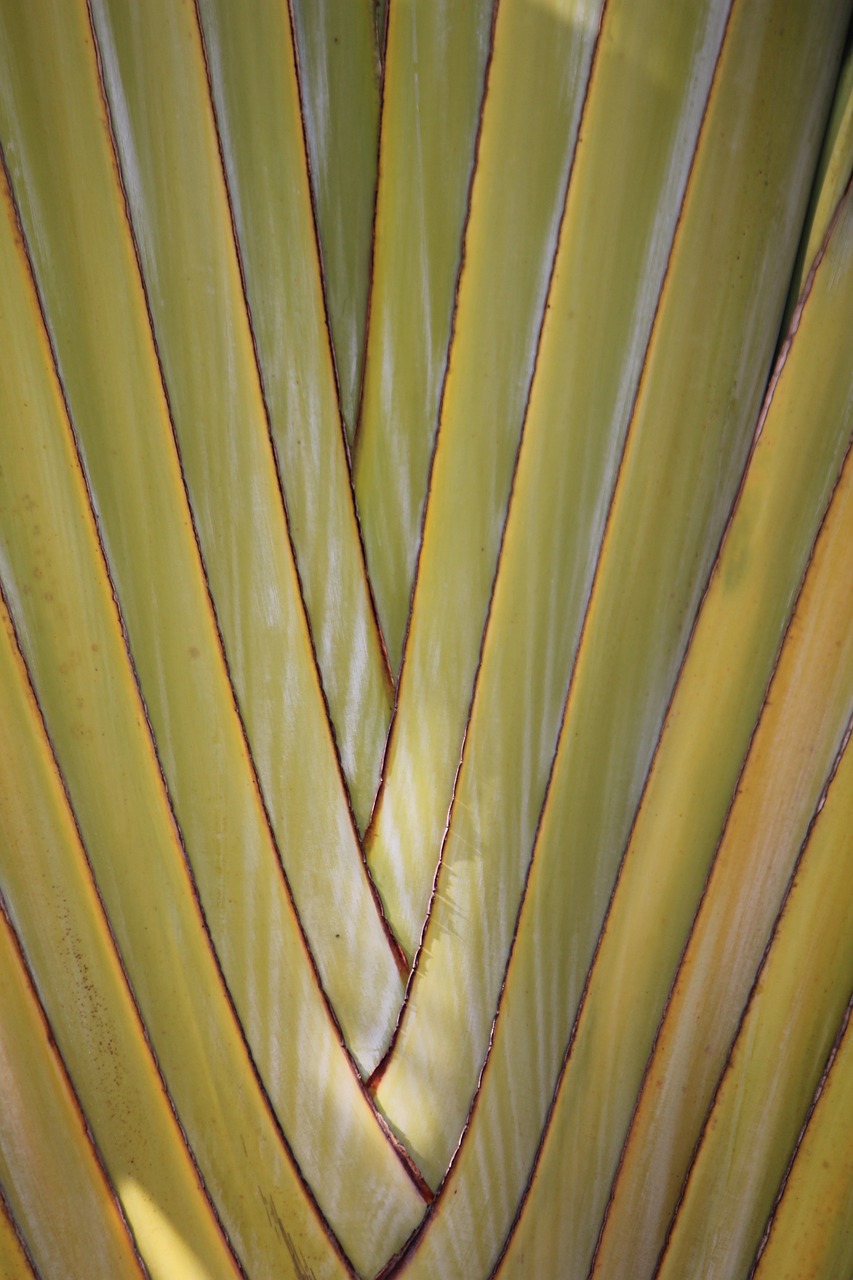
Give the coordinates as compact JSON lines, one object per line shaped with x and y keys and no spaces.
{"x":426,"y":671}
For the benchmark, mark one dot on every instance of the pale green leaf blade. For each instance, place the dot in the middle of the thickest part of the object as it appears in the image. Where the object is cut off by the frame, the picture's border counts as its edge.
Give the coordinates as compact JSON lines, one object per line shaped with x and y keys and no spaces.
{"x":54,"y":1181}
{"x":113,"y":382}
{"x":702,"y":383}
{"x":432,"y":93}
{"x":339,"y":81}
{"x":803,"y":721}
{"x":70,"y":632}
{"x":254,"y":88}
{"x":600,"y":312}
{"x":800,"y":732}
{"x":777,"y":1059}
{"x":732,"y":653}
{"x":537,"y":82}
{"x":606,"y":626}
{"x":811,"y":1234}
{"x":54,"y":907}
{"x":67,"y":624}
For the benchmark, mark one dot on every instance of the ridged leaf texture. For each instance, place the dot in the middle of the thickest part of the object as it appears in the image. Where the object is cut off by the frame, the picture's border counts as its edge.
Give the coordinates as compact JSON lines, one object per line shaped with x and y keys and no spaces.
{"x":426,"y":639}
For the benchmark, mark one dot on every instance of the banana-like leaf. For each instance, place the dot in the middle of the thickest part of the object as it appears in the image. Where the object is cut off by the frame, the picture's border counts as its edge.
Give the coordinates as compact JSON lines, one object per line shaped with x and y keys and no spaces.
{"x":152,"y":882}
{"x":213,"y":754}
{"x":776,"y":1060}
{"x":55,"y":1183}
{"x":809,"y":1232}
{"x":719,"y":696}
{"x":536,"y":85}
{"x":777,"y":792}
{"x":426,"y":660}
{"x":431,"y":112}
{"x":628,"y":606}
{"x":336,"y":41}
{"x":253,"y":82}
{"x":60,"y":921}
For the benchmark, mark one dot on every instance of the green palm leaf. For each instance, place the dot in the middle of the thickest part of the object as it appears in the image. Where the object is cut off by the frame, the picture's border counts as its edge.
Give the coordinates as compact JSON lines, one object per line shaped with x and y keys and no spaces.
{"x":425,"y":665}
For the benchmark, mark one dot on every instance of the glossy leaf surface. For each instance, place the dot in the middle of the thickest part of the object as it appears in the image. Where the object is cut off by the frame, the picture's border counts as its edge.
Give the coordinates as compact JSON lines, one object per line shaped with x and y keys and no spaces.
{"x":57,"y":1188}
{"x":426,"y":667}
{"x":339,"y":72}
{"x":537,"y":83}
{"x":810,"y":1234}
{"x":432,"y":104}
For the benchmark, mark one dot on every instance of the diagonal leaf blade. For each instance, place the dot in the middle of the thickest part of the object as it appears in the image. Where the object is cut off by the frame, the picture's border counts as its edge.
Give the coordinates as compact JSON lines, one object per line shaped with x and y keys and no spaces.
{"x":537,"y":82}
{"x":339,"y":81}
{"x":432,"y":104}
{"x":810,"y":1230}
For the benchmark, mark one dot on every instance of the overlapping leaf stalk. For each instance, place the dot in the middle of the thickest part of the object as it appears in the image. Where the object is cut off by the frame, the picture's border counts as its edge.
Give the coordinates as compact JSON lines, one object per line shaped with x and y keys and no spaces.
{"x":426,"y":661}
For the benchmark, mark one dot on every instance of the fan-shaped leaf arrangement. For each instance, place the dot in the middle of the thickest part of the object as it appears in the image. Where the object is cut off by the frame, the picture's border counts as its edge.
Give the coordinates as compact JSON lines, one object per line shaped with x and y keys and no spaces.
{"x":426,"y":671}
